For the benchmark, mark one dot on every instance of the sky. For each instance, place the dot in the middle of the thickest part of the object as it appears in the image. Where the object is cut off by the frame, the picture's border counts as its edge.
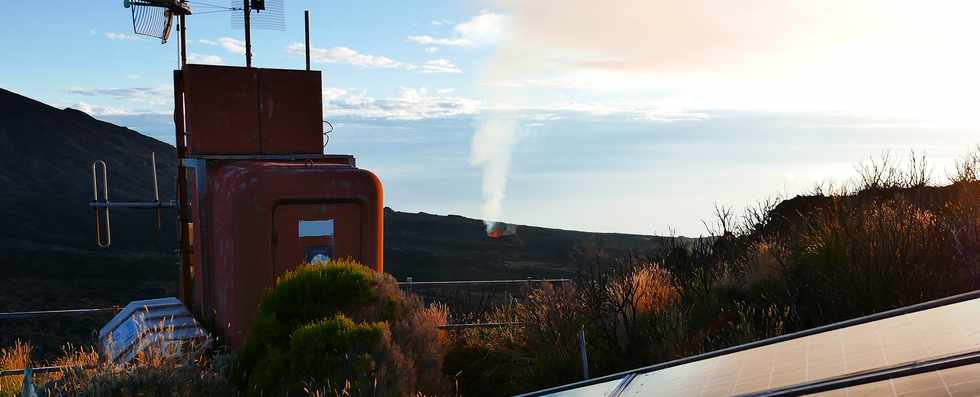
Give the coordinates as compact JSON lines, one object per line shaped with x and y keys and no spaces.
{"x":633,"y":116}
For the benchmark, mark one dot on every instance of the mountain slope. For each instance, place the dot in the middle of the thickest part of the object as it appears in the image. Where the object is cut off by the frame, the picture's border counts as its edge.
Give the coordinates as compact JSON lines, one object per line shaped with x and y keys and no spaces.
{"x":46,"y":159}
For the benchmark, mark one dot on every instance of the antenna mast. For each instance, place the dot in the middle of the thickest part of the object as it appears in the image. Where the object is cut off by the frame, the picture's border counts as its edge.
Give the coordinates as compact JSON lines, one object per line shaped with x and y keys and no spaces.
{"x":248,"y":33}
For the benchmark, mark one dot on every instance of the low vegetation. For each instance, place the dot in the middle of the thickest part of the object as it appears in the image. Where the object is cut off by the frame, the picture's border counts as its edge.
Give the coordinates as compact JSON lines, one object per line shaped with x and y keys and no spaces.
{"x":890,"y":238}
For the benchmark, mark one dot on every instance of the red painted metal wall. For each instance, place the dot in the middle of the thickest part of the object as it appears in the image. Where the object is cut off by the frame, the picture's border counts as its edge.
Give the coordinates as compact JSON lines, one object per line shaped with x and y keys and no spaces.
{"x":232,"y":110}
{"x":258,"y":196}
{"x":255,"y":210}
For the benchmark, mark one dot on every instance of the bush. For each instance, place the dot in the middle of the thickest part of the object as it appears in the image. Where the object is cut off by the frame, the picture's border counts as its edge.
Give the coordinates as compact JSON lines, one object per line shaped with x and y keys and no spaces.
{"x":629,"y":314}
{"x":342,"y":328}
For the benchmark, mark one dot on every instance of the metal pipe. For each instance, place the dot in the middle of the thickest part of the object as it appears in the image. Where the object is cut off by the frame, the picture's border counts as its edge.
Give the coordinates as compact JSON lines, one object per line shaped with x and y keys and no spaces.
{"x":248,"y":34}
{"x":583,"y":353}
{"x":156,"y":186}
{"x":183,"y":218}
{"x":48,"y":313}
{"x":481,"y":282}
{"x":43,"y":370}
{"x":183,"y":40}
{"x":105,"y":197}
{"x":478,"y":325}
{"x":133,"y":204}
{"x":306,"y":16}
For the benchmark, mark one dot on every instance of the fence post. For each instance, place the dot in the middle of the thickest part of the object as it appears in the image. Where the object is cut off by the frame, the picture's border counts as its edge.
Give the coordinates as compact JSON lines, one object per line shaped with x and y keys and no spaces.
{"x":584,"y":353}
{"x":27,"y":387}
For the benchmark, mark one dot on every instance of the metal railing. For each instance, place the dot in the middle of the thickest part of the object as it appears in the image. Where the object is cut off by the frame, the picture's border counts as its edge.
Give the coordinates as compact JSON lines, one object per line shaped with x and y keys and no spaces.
{"x":50,"y":313}
{"x":410,"y":283}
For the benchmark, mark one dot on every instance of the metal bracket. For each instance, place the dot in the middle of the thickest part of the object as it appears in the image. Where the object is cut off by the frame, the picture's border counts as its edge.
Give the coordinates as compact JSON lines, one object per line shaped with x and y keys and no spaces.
{"x":104,"y":204}
{"x":95,"y":191}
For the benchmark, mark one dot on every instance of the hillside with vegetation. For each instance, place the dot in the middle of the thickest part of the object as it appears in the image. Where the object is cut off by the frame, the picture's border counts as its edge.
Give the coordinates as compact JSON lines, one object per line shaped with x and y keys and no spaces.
{"x":890,"y":238}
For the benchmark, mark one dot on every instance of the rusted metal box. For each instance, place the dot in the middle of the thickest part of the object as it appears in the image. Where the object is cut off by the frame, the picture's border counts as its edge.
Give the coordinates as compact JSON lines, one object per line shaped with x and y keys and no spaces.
{"x":257,"y":195}
{"x":268,"y":217}
{"x":231,"y":110}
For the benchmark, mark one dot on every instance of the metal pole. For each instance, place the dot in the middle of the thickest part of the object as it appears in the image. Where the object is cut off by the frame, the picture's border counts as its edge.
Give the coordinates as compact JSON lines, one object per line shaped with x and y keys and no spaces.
{"x":584,"y":354}
{"x":183,"y":41}
{"x":156,"y":186}
{"x":306,"y":15}
{"x":248,"y":34}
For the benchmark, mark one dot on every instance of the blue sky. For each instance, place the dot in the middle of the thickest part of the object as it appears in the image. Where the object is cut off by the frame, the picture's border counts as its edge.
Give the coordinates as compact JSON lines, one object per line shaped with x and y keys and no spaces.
{"x":629,"y":116}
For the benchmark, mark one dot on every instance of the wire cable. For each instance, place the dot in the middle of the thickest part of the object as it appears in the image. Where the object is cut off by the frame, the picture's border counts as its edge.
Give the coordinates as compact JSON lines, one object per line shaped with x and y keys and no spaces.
{"x":206,"y":4}
{"x":326,"y":138}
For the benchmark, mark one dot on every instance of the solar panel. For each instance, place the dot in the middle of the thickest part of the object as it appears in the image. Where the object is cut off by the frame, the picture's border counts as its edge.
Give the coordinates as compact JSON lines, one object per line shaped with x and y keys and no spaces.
{"x":930,"y":333}
{"x":868,"y":346}
{"x":953,"y":382}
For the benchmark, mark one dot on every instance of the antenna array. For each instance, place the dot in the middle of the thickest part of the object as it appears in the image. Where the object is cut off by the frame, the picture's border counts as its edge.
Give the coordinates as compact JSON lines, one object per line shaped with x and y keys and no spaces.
{"x":264,"y":14}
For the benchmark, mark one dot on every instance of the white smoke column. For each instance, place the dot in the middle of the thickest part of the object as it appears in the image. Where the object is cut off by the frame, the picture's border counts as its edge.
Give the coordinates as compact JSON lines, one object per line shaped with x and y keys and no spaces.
{"x":498,"y":130}
{"x":491,"y":151}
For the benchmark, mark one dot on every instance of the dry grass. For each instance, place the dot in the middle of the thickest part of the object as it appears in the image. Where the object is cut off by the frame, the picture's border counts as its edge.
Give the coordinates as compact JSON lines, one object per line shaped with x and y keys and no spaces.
{"x":15,"y":357}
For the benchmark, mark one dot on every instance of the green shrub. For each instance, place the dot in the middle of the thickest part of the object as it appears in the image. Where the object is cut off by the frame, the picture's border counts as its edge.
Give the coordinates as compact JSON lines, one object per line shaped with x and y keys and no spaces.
{"x":330,"y":351}
{"x":342,"y":328}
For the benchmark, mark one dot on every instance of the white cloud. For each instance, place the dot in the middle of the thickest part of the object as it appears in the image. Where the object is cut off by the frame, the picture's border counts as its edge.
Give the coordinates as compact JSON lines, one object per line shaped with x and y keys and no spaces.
{"x":118,"y":36}
{"x":233,"y":46}
{"x":205,"y":59}
{"x":448,"y":42}
{"x":441,"y":22}
{"x":332,"y":93}
{"x":422,"y":103}
{"x":431,"y":50}
{"x":410,"y":104}
{"x":632,"y":111}
{"x":345,"y":55}
{"x":97,"y":110}
{"x":439,"y":66}
{"x":487,"y":28}
{"x":157,"y":97}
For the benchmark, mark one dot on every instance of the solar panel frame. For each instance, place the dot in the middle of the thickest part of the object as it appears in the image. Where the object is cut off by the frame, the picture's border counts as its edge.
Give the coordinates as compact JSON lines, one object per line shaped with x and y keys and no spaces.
{"x":767,"y":342}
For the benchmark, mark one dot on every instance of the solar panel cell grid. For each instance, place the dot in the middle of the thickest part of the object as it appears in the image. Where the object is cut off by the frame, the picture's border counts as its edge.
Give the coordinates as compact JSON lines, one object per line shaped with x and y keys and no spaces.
{"x":915,"y":336}
{"x":955,"y":382}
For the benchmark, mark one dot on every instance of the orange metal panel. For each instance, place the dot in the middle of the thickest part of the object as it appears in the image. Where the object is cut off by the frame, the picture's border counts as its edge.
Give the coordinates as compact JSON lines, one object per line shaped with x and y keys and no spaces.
{"x":221,"y":110}
{"x":291,"y":111}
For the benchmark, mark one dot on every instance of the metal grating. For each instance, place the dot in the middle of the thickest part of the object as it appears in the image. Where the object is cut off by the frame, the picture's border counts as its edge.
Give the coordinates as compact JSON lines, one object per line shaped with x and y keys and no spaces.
{"x":273,"y":17}
{"x":150,"y":19}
